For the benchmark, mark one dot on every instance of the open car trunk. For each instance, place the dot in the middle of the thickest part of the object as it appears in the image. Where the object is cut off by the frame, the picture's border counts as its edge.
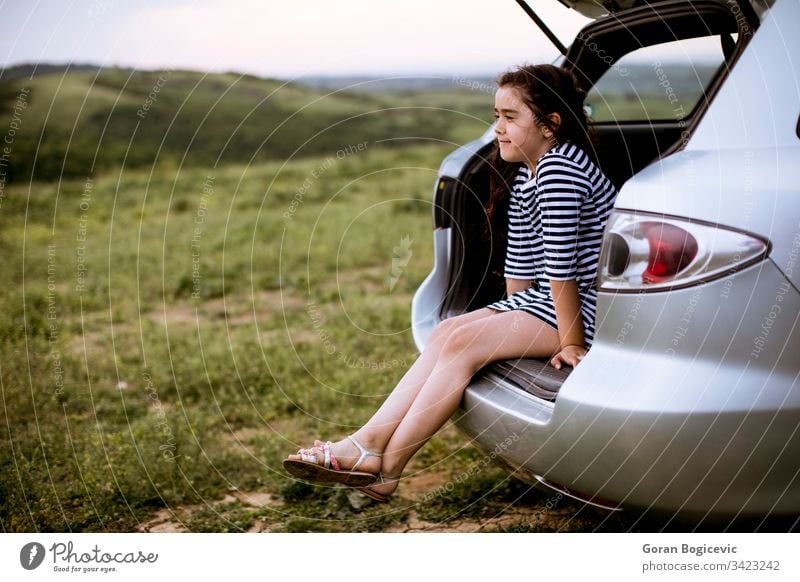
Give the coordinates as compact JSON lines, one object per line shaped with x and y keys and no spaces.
{"x":624,"y":147}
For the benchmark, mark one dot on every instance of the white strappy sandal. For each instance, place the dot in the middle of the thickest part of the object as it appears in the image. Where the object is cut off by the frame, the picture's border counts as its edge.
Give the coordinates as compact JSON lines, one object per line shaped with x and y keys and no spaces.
{"x":310,"y":469}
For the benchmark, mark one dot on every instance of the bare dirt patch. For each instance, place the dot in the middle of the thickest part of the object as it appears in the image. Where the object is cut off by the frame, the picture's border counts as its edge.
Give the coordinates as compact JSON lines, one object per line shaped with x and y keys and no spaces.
{"x":532,"y":517}
{"x":89,"y":343}
{"x":165,"y":521}
{"x":420,"y":484}
{"x":512,"y":516}
{"x":174,"y":519}
{"x":238,"y":309}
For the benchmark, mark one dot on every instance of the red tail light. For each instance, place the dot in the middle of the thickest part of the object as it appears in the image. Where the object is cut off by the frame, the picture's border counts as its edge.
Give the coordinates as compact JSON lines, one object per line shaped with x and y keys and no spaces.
{"x":672,"y":249}
{"x":642,"y":252}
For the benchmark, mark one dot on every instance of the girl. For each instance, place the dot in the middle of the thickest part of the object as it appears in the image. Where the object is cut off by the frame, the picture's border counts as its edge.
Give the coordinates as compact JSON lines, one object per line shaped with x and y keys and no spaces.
{"x":556,"y":208}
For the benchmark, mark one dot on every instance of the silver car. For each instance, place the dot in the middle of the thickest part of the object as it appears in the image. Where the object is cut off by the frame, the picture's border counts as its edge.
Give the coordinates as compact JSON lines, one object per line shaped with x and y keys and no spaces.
{"x":688,"y":403}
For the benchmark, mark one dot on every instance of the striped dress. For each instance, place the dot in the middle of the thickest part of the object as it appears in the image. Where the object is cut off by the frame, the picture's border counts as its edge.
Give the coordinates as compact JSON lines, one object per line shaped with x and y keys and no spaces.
{"x":555,"y":226}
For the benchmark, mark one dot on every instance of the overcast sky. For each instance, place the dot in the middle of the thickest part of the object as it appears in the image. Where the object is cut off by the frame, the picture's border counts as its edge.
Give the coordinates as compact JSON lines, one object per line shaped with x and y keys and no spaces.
{"x":282,"y":38}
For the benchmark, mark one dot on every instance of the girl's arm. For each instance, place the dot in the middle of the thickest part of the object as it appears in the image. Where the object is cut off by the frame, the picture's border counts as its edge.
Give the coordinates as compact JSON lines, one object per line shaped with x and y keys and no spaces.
{"x":561,"y":190}
{"x":514,"y":285}
{"x":570,"y":323}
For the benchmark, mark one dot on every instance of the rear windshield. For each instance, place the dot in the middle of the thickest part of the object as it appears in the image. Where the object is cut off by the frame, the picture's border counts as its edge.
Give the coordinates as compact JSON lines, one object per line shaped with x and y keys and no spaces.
{"x":664,"y":82}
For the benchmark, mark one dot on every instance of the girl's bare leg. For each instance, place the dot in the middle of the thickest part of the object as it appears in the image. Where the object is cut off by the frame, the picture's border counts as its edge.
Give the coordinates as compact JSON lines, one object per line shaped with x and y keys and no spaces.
{"x":375,"y":434}
{"x":507,"y":335}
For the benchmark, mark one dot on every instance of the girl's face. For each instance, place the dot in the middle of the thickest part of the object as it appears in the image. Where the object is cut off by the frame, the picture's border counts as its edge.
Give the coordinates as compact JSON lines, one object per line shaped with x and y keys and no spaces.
{"x":520,"y":137}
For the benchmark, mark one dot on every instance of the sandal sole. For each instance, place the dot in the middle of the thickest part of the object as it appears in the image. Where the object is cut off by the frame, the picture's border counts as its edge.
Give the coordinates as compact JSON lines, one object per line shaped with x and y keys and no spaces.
{"x":319,"y":474}
{"x":374,"y":495}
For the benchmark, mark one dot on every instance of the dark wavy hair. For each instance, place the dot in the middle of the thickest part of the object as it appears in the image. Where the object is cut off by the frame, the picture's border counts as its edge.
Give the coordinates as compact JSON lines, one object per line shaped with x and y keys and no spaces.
{"x":545,"y":89}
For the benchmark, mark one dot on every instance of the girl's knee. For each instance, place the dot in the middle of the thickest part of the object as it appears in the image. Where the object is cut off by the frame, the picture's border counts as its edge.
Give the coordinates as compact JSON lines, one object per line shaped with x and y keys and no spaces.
{"x":445,"y":328}
{"x":459,"y":341}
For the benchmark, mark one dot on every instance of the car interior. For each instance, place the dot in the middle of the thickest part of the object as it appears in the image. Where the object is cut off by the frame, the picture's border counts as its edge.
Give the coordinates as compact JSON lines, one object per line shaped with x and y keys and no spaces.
{"x":628,"y":137}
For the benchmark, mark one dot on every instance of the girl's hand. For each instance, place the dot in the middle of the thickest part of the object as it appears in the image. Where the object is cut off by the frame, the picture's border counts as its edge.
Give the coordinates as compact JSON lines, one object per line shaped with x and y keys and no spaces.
{"x":569,"y":355}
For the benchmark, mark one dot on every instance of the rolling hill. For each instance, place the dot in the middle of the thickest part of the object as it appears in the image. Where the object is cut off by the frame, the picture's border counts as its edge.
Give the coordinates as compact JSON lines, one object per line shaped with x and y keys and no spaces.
{"x":76,"y":123}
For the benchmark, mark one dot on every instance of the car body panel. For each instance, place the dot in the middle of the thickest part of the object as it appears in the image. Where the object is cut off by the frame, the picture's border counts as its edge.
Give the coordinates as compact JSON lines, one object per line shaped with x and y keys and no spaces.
{"x":759,"y":103}
{"x":426,"y":300}
{"x":453,"y":164}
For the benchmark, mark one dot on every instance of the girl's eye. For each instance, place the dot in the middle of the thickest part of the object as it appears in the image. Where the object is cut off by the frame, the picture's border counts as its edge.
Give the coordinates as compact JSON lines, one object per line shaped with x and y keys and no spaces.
{"x":506,"y":117}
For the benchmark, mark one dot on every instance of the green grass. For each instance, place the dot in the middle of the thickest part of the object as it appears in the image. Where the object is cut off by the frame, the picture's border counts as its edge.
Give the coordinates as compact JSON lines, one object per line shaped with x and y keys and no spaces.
{"x":129,"y":395}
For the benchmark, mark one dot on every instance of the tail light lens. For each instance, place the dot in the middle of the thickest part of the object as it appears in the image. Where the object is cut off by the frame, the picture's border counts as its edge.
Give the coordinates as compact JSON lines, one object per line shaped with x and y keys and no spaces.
{"x":649,"y":252}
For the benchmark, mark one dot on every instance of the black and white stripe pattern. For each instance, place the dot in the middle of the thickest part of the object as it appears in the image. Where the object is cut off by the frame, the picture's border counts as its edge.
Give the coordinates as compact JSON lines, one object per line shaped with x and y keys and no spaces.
{"x":555,"y":228}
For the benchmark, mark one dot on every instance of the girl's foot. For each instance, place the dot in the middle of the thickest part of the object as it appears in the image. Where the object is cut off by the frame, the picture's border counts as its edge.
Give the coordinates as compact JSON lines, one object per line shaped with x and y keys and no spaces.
{"x":382,"y":489}
{"x":347,"y":453}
